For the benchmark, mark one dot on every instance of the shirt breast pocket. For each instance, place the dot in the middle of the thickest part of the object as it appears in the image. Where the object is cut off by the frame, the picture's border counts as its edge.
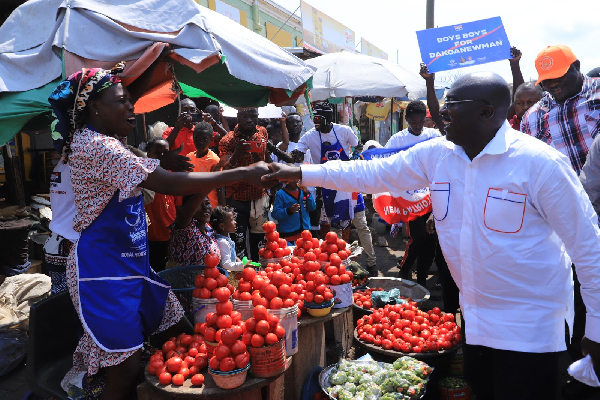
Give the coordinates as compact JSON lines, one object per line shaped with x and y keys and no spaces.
{"x":440,"y":199}
{"x":592,"y":121}
{"x":504,"y":211}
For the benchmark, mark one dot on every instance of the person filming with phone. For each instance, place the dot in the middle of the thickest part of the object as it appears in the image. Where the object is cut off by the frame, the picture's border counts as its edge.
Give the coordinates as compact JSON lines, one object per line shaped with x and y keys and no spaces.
{"x":245,"y":145}
{"x":183,"y":131}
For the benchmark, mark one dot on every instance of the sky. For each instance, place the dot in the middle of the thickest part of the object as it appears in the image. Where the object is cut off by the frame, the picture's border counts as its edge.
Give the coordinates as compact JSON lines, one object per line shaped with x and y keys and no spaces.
{"x":530,"y":26}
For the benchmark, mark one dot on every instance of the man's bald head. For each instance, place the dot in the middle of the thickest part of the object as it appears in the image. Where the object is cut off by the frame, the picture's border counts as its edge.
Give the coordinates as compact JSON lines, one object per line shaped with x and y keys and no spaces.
{"x":489,"y":87}
{"x":475,"y":109}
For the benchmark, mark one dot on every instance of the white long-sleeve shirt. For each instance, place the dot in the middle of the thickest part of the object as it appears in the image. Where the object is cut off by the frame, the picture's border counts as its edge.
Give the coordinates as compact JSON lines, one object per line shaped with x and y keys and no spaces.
{"x":405,"y":138}
{"x":226,"y":261}
{"x":506,"y":220}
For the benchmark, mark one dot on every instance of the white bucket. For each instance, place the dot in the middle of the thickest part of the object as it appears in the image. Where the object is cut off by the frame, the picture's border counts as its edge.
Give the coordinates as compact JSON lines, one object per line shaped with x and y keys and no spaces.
{"x":288,"y":318}
{"x":201,"y":308}
{"x":344,"y":294}
{"x":244,"y":307}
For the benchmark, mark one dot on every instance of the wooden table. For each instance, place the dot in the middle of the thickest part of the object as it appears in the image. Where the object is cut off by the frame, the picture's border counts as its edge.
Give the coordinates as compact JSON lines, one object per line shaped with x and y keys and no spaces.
{"x":252,"y":389}
{"x":311,"y":347}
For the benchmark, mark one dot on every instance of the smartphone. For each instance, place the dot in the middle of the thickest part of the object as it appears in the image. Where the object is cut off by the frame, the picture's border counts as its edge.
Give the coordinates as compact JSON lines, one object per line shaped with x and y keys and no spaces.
{"x":197,"y":117}
{"x":256,"y":146}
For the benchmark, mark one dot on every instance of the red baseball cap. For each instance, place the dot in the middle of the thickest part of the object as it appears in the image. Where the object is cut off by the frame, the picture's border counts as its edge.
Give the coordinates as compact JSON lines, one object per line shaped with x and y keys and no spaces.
{"x":553,"y":62}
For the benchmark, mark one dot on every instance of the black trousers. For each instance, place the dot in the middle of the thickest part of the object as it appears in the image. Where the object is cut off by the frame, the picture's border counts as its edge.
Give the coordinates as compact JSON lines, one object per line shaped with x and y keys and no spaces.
{"x":158,"y":254}
{"x":449,"y":289}
{"x":420,"y":248}
{"x":503,"y":374}
{"x":243,"y":208}
{"x":574,"y":346}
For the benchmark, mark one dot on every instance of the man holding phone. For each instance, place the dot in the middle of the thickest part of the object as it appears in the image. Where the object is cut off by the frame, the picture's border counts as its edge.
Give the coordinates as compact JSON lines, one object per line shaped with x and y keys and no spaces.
{"x":243,"y":146}
{"x":183,"y":131}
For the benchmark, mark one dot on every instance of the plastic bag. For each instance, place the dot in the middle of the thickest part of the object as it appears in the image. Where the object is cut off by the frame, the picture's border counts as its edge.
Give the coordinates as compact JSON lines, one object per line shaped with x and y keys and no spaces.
{"x":381,"y":298}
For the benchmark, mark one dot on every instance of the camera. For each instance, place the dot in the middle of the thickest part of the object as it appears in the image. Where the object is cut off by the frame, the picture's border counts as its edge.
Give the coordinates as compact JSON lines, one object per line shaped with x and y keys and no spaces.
{"x":197,"y":117}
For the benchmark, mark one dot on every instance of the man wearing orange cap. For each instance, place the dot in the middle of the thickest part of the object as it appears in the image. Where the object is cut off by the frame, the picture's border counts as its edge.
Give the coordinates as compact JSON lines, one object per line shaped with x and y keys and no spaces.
{"x":567,"y":118}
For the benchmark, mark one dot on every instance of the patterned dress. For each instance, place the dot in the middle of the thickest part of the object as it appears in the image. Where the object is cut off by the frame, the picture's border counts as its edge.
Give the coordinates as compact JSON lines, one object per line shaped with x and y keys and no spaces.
{"x":101,"y":166}
{"x":189,"y":245}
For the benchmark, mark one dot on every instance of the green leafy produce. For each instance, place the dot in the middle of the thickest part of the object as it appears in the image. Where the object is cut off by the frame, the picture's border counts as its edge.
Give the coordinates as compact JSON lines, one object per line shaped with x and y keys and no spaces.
{"x":405,"y":379}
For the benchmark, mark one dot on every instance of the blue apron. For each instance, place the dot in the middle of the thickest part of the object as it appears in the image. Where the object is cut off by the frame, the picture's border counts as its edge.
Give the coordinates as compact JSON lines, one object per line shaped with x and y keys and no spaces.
{"x":338,"y":206}
{"x":121,"y":298}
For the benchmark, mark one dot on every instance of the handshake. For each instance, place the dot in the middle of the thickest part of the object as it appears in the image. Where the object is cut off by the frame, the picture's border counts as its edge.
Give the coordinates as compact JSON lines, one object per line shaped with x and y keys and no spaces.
{"x":268,"y":175}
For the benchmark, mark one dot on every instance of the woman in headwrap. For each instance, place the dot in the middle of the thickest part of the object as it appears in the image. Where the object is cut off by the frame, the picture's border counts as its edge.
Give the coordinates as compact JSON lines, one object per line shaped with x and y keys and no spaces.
{"x":118,"y":297}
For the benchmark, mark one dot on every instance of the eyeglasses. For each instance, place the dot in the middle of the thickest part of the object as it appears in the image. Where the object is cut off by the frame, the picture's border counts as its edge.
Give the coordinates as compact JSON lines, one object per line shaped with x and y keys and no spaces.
{"x":453,"y":102}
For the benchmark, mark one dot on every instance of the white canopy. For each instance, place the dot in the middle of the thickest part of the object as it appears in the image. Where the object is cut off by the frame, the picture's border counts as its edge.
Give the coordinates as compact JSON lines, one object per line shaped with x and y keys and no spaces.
{"x":33,"y":38}
{"x":350,"y":74}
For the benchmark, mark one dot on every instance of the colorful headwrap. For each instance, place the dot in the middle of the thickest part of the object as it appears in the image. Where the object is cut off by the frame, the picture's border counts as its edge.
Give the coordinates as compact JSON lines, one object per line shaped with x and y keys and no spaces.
{"x":71,"y":96}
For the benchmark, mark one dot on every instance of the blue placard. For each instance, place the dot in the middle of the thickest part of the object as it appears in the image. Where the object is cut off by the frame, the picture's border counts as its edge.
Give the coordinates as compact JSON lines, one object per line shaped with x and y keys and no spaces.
{"x":462,"y":45}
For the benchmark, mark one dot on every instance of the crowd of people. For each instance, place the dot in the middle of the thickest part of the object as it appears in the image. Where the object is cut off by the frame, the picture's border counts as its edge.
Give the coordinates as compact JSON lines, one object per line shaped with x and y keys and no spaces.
{"x":511,"y":227}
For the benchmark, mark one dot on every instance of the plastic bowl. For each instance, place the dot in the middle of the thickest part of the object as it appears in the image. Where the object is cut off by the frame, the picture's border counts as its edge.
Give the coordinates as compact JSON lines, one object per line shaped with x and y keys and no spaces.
{"x":319,"y":310}
{"x":231,"y":379}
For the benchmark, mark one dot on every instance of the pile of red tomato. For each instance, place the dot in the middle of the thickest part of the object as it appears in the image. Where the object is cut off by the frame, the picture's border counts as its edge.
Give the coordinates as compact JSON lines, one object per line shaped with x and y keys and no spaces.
{"x":405,"y":328}
{"x":263,"y":329}
{"x":362,"y":298}
{"x":180,"y":358}
{"x":272,"y":288}
{"x":212,"y":280}
{"x":275,"y":247}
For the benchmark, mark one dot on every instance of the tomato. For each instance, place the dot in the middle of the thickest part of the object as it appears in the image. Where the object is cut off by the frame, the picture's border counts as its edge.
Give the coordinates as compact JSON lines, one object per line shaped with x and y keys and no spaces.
{"x":198,"y":380}
{"x":211,"y":260}
{"x":258,"y":283}
{"x":272,"y":236}
{"x":331,"y":237}
{"x":224,"y":309}
{"x":436,"y":310}
{"x":345,"y":278}
{"x":248,"y":274}
{"x":201,"y":362}
{"x":260,"y":313}
{"x":257,"y":340}
{"x":185,"y":372}
{"x":276,"y":303}
{"x":306,"y":235}
{"x":336,"y":280}
{"x":245,"y":296}
{"x":223,"y":281}
{"x":229,"y":336}
{"x":211,"y":318}
{"x":270,"y":339}
{"x":174,"y":364}
{"x":448,"y":317}
{"x":164,"y":378}
{"x":224,"y":321}
{"x":331,"y":249}
{"x":262,"y":327}
{"x":211,"y":272}
{"x":222,"y":351}
{"x":169,"y":345}
{"x":210,"y":333}
{"x":408,"y":314}
{"x":308,"y":245}
{"x":268,"y":254}
{"x":186,"y":340}
{"x":242,"y":360}
{"x":269,"y":226}
{"x":387,"y":344}
{"x":213,"y":363}
{"x":269,"y":291}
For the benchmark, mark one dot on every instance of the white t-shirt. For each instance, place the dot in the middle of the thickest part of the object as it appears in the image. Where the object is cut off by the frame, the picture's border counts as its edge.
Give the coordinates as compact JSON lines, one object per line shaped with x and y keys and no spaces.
{"x":62,"y":202}
{"x":405,"y":138}
{"x":311,"y":141}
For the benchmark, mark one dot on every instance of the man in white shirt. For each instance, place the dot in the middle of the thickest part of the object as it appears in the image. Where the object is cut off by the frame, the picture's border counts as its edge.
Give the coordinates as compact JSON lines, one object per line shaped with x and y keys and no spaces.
{"x":328,"y":141}
{"x":508,"y":209}
{"x":421,"y":244}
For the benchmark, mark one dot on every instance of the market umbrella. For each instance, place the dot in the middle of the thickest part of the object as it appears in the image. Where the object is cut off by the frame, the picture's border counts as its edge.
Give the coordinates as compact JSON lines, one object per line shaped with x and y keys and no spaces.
{"x":44,"y":40}
{"x":346,"y":74}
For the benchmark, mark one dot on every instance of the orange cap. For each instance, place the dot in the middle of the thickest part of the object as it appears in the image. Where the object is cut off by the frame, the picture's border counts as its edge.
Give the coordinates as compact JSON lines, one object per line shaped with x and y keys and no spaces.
{"x":553,"y":62}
